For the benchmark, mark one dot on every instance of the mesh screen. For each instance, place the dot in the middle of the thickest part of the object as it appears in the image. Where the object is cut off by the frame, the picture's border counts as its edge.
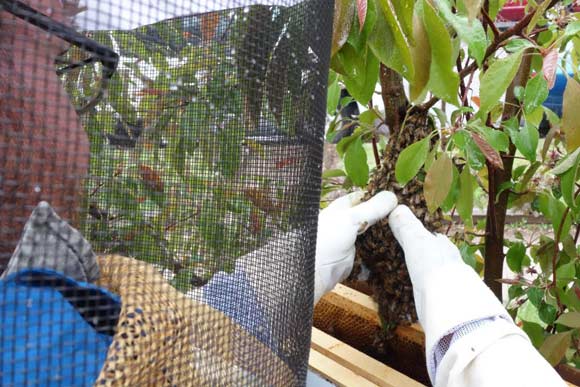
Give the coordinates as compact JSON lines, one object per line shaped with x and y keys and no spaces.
{"x":159,"y":187}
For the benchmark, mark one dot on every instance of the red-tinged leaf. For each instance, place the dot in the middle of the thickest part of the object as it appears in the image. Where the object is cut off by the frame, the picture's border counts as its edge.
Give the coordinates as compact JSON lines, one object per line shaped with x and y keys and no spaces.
{"x":209,"y":23}
{"x":490,"y":154}
{"x":509,"y":281}
{"x":577,"y":291}
{"x":550,"y":66}
{"x":151,"y":178}
{"x":475,"y":99}
{"x":286,"y":162}
{"x":361,"y":7}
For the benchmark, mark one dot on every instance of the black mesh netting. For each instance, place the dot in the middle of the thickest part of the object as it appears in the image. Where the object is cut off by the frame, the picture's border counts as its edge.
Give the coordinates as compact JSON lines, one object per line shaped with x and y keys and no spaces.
{"x":159,"y":186}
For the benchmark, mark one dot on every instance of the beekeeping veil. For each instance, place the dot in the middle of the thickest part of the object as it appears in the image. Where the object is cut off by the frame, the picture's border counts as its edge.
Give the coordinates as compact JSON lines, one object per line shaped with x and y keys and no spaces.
{"x":159,"y":185}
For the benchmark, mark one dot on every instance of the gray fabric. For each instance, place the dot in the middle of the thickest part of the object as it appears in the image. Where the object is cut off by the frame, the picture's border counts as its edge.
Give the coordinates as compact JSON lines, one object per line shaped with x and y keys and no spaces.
{"x":48,"y":242}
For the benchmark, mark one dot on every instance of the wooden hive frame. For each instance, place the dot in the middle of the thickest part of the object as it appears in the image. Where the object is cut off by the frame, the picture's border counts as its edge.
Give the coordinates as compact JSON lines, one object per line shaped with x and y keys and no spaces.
{"x":352,"y":318}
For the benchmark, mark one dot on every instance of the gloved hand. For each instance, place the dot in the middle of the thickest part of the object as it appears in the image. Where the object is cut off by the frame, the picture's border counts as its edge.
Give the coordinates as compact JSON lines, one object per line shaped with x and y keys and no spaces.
{"x":448,"y":293}
{"x":338,"y":226}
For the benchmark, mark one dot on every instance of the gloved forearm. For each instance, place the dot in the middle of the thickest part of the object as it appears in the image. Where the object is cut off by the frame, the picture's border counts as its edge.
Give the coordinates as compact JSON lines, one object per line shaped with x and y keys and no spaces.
{"x":455,"y":308}
{"x":496,"y":355}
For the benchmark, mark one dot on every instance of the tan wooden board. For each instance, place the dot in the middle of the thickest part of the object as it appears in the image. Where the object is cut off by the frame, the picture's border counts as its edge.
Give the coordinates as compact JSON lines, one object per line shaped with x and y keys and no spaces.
{"x":347,"y":310}
{"x":339,"y":353}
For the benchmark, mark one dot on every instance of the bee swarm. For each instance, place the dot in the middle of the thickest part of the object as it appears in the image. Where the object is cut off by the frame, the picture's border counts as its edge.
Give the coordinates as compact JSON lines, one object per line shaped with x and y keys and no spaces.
{"x":377,"y":248}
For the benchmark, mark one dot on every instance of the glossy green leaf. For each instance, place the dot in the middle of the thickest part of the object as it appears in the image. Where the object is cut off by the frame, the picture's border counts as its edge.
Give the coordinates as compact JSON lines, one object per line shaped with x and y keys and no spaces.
{"x":411,"y":160}
{"x":464,"y":204}
{"x":568,"y":184}
{"x":535,"y":93}
{"x":421,"y":52}
{"x":515,"y":256}
{"x":343,"y":17}
{"x":496,"y":80}
{"x":438,"y":182}
{"x":451,"y":198}
{"x":572,"y":29}
{"x":566,"y":273}
{"x":568,"y":162}
{"x":554,"y":210}
{"x":443,"y":81}
{"x":389,"y":42}
{"x":535,"y":332}
{"x":355,"y":163}
{"x":525,"y":139}
{"x":362,"y":73}
{"x":515,"y":45}
{"x":535,"y":295}
{"x":470,"y":31}
{"x":333,"y":94}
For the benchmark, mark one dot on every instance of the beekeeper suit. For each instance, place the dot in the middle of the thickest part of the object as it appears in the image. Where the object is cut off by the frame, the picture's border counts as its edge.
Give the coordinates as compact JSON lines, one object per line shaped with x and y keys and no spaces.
{"x":470,"y":338}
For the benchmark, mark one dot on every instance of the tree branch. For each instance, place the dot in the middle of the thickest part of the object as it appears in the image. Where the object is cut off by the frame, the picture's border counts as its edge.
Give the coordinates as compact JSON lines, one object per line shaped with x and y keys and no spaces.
{"x":515,"y":30}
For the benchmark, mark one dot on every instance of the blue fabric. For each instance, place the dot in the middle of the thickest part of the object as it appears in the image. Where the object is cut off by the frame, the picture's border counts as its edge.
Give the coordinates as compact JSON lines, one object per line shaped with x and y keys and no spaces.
{"x":233,"y":295}
{"x":44,"y":339}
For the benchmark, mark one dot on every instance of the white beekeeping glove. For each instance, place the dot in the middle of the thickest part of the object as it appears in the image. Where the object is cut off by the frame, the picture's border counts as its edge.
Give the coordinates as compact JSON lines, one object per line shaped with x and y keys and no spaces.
{"x":338,"y":226}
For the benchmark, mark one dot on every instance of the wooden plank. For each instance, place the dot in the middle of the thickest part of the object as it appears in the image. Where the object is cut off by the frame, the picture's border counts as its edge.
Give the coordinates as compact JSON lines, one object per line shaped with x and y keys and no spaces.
{"x":335,"y":372}
{"x":361,"y":364}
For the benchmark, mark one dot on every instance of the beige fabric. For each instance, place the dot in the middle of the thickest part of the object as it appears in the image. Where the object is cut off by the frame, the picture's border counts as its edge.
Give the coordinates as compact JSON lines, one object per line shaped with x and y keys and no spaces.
{"x":166,"y":339}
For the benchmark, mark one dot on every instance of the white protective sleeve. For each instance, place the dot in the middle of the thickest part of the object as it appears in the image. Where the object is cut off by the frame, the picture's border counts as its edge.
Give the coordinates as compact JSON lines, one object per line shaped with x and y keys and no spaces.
{"x":448,"y":295}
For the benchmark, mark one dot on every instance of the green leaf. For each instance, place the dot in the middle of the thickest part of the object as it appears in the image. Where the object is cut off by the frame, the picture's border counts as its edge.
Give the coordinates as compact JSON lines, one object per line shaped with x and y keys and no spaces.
{"x":404,"y":11}
{"x":343,"y":17}
{"x":554,"y":210}
{"x":568,"y":184}
{"x":362,"y":73}
{"x":468,"y":254}
{"x":535,"y":332}
{"x":568,"y":162}
{"x":355,"y":163}
{"x":465,"y":199}
{"x":528,"y":312}
{"x":438,"y":182}
{"x":496,"y":80}
{"x":535,"y":295}
{"x":566,"y":273}
{"x":569,"y":319}
{"x":443,"y":81}
{"x":389,"y":42}
{"x":515,"y":257}
{"x":572,"y":29}
{"x":525,"y":139}
{"x":571,"y":115}
{"x":333,"y":93}
{"x":547,"y":313}
{"x":535,"y":93}
{"x":330,"y":173}
{"x":515,"y":45}
{"x":421,"y":52}
{"x":465,"y":142}
{"x":451,"y":198}
{"x":498,"y":139}
{"x":470,"y":31}
{"x":411,"y":160}
{"x":554,"y":347}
